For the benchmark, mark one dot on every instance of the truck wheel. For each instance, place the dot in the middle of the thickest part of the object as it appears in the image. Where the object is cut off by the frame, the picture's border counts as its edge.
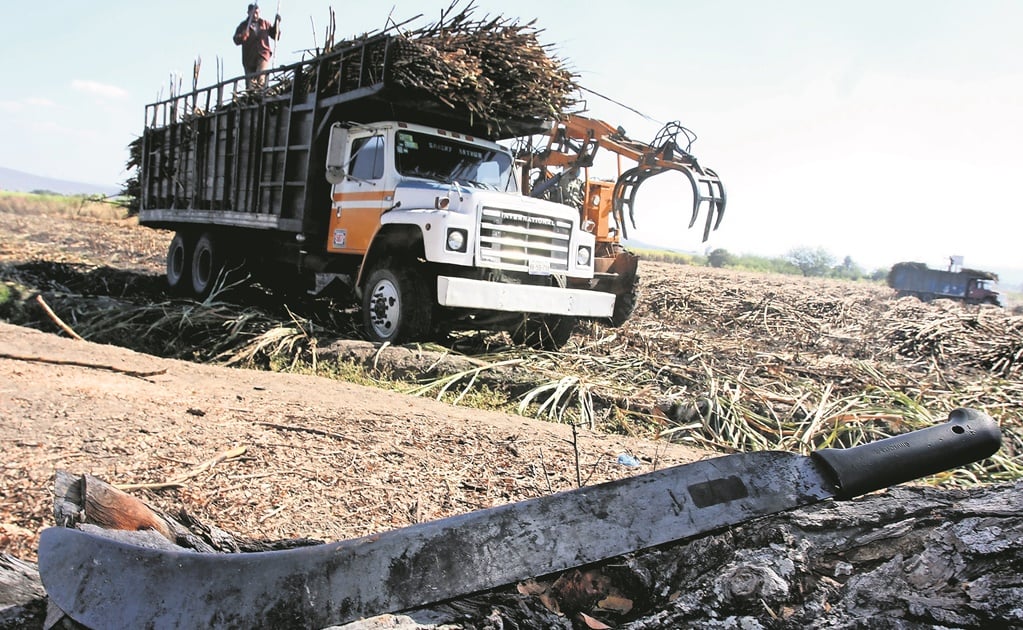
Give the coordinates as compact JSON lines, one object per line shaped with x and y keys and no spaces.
{"x":207,"y":265}
{"x":625,"y":305}
{"x":179,"y":264}
{"x":397,"y":304}
{"x":544,"y":332}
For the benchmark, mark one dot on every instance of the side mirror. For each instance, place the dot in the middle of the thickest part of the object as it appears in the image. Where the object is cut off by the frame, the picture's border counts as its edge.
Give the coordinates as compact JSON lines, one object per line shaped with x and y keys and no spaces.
{"x":336,"y":146}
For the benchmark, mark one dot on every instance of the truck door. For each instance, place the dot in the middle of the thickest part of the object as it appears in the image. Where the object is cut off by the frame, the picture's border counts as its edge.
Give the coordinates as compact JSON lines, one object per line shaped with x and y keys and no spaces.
{"x":363,"y":195}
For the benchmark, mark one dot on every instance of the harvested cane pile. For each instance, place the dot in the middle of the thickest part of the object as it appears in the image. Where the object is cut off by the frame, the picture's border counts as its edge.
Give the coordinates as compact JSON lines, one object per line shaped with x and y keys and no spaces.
{"x":493,"y":68}
{"x":947,"y":334}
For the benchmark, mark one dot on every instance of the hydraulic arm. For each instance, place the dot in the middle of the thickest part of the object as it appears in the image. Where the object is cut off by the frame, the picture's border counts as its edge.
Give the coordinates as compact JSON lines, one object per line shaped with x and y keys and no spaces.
{"x":573,"y":143}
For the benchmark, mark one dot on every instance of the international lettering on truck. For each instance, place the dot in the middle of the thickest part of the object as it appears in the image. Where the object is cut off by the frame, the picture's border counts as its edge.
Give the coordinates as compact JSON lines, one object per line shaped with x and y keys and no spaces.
{"x":422,"y":215}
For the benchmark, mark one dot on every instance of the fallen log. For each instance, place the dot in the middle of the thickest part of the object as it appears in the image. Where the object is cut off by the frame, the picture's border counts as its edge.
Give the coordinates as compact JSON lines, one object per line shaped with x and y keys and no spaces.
{"x":906,"y":557}
{"x":909,"y":557}
{"x":22,"y":598}
{"x":87,"y":500}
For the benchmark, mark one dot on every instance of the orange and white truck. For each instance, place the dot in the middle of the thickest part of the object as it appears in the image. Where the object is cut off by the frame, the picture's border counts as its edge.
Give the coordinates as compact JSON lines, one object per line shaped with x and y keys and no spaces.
{"x":337,"y":179}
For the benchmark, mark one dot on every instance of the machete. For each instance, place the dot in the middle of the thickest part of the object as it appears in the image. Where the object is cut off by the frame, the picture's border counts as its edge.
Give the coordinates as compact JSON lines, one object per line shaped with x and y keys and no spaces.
{"x":105,"y":583}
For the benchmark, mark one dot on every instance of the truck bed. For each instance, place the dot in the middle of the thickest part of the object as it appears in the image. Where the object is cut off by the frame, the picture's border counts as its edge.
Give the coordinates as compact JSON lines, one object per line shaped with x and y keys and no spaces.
{"x":221,"y":155}
{"x":928,"y":281}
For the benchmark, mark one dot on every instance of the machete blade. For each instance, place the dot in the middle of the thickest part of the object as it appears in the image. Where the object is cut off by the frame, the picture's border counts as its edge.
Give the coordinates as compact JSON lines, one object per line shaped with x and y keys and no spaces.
{"x":105,"y":583}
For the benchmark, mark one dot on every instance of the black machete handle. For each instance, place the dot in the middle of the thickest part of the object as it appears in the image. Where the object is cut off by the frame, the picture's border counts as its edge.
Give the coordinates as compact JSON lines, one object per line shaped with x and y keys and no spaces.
{"x":967,"y":437}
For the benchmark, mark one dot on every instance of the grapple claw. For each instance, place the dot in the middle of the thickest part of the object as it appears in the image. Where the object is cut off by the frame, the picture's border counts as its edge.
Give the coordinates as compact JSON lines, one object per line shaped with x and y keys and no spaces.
{"x":707,"y":189}
{"x":573,"y":142}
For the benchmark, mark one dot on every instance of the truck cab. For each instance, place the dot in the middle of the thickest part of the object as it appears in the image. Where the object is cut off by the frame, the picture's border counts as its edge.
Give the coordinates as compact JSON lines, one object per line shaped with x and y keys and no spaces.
{"x":446,"y":239}
{"x":980,"y":291}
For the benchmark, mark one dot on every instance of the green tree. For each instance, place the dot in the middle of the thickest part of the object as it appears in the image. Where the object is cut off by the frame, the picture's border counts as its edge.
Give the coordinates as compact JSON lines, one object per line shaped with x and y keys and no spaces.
{"x":811,"y":262}
{"x":880,"y":274}
{"x":719,"y":257}
{"x":848,"y":270}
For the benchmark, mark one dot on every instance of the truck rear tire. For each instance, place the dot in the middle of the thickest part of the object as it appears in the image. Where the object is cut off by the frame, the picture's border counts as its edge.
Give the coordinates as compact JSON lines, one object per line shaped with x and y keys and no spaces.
{"x":544,"y":332}
{"x":179,"y":264}
{"x":397,"y":303}
{"x":207,"y":265}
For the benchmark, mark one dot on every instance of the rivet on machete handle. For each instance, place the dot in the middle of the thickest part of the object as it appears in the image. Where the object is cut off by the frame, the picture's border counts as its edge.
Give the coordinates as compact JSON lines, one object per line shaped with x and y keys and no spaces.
{"x":967,"y":437}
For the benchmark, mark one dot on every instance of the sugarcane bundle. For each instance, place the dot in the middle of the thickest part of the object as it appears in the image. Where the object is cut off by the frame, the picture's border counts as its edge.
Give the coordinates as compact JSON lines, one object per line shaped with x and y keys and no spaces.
{"x":495,"y":67}
{"x":492,"y":71}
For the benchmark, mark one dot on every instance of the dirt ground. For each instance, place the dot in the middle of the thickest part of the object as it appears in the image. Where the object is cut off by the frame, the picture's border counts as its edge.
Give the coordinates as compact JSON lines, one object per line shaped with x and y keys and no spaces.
{"x":309,"y":457}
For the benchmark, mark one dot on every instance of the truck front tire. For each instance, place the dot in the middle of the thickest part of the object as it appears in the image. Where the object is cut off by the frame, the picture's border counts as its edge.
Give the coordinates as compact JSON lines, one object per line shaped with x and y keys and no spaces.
{"x":544,"y":332}
{"x":625,"y":305}
{"x":397,"y":303}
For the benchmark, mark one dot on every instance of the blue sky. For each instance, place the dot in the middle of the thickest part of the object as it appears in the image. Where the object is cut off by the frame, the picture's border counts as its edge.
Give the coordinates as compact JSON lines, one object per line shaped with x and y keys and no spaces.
{"x":883,"y":130}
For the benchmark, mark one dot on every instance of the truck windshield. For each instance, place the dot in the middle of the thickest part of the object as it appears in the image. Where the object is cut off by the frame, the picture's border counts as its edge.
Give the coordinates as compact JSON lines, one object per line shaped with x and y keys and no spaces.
{"x":448,"y":160}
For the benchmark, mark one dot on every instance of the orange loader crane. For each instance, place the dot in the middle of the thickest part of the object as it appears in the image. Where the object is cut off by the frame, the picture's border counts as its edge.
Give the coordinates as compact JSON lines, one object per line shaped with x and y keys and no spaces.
{"x":551,"y":170}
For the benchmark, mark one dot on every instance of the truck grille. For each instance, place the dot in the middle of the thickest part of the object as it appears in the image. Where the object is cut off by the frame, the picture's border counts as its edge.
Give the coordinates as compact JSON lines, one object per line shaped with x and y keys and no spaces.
{"x":521,"y":241}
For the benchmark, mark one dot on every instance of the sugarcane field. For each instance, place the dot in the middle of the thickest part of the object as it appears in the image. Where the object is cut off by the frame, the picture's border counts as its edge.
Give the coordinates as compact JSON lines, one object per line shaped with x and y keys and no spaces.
{"x":235,"y":408}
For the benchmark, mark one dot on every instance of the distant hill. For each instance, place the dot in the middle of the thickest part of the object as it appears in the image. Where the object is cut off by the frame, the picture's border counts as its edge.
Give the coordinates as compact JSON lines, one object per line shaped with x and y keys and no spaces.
{"x":18,"y":181}
{"x":637,"y":244}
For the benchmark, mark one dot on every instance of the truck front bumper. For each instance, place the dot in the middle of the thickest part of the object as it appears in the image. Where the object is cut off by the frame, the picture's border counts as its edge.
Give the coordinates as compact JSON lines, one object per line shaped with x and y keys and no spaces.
{"x":522,"y":298}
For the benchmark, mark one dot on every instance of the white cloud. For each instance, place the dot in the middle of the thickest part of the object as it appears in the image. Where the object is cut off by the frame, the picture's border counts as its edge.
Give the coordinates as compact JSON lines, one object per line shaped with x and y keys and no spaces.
{"x":48,"y":126}
{"x":99,"y":89}
{"x":38,"y":101}
{"x":26,"y":104}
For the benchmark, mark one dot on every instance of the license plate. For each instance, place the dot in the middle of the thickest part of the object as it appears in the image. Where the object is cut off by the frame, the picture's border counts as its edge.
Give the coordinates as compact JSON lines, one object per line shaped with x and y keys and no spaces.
{"x":539,"y":267}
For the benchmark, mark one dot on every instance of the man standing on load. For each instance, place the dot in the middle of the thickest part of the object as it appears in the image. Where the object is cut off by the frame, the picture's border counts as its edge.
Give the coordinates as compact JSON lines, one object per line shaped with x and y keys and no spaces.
{"x":253,"y":35}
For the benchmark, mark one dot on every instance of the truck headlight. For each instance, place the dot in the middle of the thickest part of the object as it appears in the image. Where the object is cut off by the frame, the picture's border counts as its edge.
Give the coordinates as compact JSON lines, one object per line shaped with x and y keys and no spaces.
{"x":582,"y":257}
{"x":456,"y":240}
